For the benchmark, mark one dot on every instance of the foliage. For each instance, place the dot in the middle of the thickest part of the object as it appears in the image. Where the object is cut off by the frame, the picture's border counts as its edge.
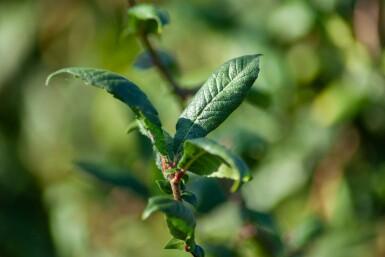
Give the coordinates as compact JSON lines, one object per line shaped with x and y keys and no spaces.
{"x":218,"y":97}
{"x":311,"y":129}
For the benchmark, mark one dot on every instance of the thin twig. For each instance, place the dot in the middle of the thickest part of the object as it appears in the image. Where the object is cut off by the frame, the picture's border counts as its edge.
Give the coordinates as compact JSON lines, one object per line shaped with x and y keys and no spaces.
{"x":175,"y":88}
{"x":163,"y":70}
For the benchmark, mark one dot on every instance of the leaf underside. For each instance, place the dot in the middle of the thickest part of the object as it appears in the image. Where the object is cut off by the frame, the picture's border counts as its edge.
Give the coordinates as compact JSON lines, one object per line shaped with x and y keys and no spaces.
{"x":205,"y":157}
{"x":126,"y":91}
{"x":180,"y":219}
{"x":174,"y":243}
{"x":146,"y":18}
{"x":221,"y":94}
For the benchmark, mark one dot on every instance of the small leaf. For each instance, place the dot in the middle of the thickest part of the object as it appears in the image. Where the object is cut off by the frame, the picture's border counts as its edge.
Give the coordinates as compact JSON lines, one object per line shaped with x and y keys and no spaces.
{"x":205,"y":157}
{"x":165,"y":186}
{"x":115,"y":177}
{"x":180,"y":219}
{"x":198,"y":251}
{"x":145,"y":61}
{"x":169,"y":171}
{"x":126,"y":91}
{"x":221,"y":94}
{"x":190,"y":197}
{"x":175,"y":244}
{"x":185,"y":179}
{"x":258,"y":98}
{"x":146,"y":18}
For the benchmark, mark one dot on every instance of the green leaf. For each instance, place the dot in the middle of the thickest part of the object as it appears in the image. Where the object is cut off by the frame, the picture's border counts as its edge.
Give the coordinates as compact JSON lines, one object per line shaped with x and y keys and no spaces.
{"x":180,"y":219}
{"x":198,"y":251}
{"x":190,"y":197}
{"x":146,"y":18}
{"x":175,"y":244}
{"x":115,"y":177}
{"x":185,"y":179}
{"x":145,"y":61}
{"x":165,"y":186}
{"x":205,"y":157}
{"x":126,"y":91}
{"x":221,"y":94}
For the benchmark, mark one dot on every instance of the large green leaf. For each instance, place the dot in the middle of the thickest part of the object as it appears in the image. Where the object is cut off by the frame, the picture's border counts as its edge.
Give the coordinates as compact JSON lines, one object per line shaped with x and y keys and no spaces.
{"x":205,"y":157}
{"x":221,"y":94}
{"x":146,"y":18}
{"x":126,"y":91}
{"x":180,"y":219}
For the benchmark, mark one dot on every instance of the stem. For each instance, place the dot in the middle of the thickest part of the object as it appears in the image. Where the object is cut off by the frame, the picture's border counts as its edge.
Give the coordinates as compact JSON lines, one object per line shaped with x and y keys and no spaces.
{"x":182,"y":93}
{"x":162,"y":69}
{"x":175,"y":179}
{"x":175,"y":186}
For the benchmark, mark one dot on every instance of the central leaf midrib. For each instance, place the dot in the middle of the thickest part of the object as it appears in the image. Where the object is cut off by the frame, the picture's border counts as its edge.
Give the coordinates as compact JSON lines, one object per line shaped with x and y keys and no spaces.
{"x":201,"y":111}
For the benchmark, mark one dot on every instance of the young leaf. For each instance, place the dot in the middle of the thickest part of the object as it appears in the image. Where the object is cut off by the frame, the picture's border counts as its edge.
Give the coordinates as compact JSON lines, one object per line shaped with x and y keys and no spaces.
{"x":221,"y":94}
{"x":146,"y":18}
{"x":145,"y":61}
{"x":115,"y":177}
{"x":165,"y":186}
{"x":175,"y":244}
{"x":185,"y":179}
{"x":198,"y":251}
{"x":205,"y":157}
{"x":126,"y":91}
{"x":180,"y":219}
{"x":190,"y":197}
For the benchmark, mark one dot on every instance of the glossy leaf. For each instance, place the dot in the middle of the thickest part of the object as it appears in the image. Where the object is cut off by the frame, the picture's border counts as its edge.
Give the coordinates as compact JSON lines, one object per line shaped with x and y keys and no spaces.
{"x":180,"y":219}
{"x":221,"y":94}
{"x":175,"y":244}
{"x":126,"y":91}
{"x":115,"y":177}
{"x":146,"y":18}
{"x":205,"y":157}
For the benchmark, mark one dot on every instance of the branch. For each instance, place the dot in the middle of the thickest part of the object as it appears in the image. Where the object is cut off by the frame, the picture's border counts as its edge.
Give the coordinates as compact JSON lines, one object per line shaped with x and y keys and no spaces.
{"x":175,"y":88}
{"x":162,"y":69}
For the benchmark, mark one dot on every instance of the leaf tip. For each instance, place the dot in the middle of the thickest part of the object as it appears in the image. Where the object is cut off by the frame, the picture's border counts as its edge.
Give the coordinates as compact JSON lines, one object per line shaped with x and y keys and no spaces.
{"x":145,"y":214}
{"x":53,"y":74}
{"x":50,"y":76}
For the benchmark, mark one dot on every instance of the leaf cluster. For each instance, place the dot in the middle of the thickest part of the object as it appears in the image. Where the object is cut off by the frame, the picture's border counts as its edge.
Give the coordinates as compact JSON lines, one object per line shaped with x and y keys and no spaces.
{"x":188,"y":150}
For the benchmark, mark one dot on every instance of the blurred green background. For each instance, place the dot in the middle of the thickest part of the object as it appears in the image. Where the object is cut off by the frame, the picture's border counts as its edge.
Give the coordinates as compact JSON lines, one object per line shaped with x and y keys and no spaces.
{"x":317,"y":152}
